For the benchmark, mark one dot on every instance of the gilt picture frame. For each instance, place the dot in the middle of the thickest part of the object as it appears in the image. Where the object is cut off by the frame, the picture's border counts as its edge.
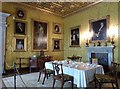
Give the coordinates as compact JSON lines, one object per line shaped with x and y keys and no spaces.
{"x":99,"y":28}
{"x":20,"y":27}
{"x":20,"y":43}
{"x":56,"y":28}
{"x":20,"y":13}
{"x":39,"y":37}
{"x":56,"y":44}
{"x":75,"y":36}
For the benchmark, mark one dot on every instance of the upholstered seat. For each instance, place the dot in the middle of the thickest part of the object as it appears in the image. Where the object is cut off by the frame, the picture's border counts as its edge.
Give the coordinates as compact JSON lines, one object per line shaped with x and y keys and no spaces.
{"x":59,"y":75}
{"x":107,"y":78}
{"x":66,"y":77}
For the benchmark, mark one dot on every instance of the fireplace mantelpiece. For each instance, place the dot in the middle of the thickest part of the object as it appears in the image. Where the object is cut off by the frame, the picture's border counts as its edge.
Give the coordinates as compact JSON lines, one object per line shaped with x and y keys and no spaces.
{"x":101,"y":49}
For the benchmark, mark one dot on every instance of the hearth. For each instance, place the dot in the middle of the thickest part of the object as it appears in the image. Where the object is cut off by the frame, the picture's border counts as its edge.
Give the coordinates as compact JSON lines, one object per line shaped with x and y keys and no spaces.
{"x":102,"y":60}
{"x":103,"y":53}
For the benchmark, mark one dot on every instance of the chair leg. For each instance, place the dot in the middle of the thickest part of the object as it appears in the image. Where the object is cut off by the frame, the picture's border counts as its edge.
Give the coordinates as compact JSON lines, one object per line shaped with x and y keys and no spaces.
{"x":44,"y":78}
{"x":113,"y":86}
{"x":47,"y":76}
{"x":117,"y":86}
{"x":72,"y":84}
{"x":53,"y":83}
{"x":30,"y":69}
{"x":99,"y":85}
{"x":95,"y":83}
{"x":62,"y":85}
{"x":39,"y":76}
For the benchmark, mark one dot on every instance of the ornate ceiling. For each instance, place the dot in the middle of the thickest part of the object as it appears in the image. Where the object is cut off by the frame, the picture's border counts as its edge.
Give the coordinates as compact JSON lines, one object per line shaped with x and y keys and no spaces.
{"x":61,"y":8}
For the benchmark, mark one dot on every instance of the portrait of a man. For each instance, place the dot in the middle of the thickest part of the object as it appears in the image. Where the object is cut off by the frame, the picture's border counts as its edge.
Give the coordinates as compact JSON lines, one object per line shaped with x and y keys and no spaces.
{"x":99,"y":29}
{"x":75,"y":36}
{"x":40,"y":36}
{"x":56,"y":44}
{"x":20,"y":28}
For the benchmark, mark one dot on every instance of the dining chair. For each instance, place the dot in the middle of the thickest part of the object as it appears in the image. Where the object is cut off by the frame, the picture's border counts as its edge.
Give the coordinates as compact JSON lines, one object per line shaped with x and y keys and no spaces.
{"x":33,"y":63}
{"x":60,"y":76}
{"x":46,"y":72}
{"x":118,"y":68}
{"x":75,"y":58}
{"x":111,"y":77}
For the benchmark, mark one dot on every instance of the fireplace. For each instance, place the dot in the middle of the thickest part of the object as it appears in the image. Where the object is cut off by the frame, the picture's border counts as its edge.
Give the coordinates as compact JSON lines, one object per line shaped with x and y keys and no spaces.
{"x":103,"y":53}
{"x":102,"y":60}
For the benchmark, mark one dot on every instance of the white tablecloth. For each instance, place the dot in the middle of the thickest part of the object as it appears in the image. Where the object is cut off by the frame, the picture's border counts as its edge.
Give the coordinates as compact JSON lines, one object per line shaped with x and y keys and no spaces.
{"x":81,"y":72}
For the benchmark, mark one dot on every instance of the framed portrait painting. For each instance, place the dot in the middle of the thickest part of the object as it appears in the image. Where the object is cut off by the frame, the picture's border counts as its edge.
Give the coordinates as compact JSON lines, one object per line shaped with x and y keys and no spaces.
{"x":19,"y":43}
{"x":56,"y":44}
{"x":20,"y":27}
{"x":57,"y":28}
{"x":99,"y":28}
{"x":20,"y":13}
{"x":74,"y":36}
{"x":39,"y":35}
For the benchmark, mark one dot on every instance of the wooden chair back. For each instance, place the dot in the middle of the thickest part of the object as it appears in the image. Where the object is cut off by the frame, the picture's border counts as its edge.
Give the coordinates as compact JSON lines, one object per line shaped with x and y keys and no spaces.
{"x":58,"y":69}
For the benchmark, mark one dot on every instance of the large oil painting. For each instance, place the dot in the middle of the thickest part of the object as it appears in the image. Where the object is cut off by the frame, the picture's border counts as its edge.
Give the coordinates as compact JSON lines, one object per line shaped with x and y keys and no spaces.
{"x":39,"y":35}
{"x":99,"y":28}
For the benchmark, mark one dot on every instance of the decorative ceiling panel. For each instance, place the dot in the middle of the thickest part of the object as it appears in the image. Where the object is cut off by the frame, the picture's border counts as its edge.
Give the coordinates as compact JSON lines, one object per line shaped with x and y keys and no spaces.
{"x":61,"y":8}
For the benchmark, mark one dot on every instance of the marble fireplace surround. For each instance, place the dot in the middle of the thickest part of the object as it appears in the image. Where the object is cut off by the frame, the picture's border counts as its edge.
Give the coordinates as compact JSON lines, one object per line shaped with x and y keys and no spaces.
{"x":101,"y":49}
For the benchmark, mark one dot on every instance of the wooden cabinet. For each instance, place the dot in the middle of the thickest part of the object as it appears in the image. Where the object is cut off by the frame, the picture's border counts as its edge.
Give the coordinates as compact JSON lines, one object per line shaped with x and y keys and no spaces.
{"x":41,"y":61}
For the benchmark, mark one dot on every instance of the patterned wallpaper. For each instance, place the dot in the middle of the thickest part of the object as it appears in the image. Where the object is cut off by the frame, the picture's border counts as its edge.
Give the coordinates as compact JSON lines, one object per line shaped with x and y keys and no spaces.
{"x":11,"y":54}
{"x":82,"y":19}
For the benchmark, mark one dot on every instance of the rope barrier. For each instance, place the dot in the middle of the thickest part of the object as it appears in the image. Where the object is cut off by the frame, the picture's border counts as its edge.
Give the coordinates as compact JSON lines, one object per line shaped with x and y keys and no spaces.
{"x":16,"y":71}
{"x":12,"y":66}
{"x":20,"y":76}
{"x":9,"y":66}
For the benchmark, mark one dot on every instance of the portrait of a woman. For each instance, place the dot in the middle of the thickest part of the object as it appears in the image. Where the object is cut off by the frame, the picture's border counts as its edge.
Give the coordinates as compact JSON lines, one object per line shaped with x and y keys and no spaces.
{"x":20,"y":28}
{"x":40,"y":36}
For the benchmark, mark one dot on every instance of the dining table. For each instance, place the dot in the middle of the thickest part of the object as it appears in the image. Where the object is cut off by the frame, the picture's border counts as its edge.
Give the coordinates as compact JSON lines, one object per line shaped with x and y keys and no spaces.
{"x":83,"y":73}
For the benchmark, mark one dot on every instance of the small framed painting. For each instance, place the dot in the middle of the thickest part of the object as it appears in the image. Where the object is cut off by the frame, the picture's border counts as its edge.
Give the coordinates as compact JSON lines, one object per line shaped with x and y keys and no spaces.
{"x":99,"y":28}
{"x":74,"y":36}
{"x":20,"y":27}
{"x":57,"y":28}
{"x":20,"y":13}
{"x":56,"y":44}
{"x":20,"y":44}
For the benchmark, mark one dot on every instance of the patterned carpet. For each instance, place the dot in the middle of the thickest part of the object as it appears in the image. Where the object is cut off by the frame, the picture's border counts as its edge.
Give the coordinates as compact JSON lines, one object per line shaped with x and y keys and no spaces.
{"x":30,"y":81}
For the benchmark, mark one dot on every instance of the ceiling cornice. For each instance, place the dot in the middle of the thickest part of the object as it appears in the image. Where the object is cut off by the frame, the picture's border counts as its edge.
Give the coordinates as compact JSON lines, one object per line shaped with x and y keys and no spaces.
{"x":44,"y":9}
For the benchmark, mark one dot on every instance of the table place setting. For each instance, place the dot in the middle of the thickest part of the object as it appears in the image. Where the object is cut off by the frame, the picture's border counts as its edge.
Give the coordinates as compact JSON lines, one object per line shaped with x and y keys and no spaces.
{"x":76,"y":65}
{"x":81,"y":71}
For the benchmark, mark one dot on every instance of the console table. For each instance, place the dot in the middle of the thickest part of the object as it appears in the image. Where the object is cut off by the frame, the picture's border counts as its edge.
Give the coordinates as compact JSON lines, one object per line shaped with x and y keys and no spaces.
{"x":20,"y":63}
{"x":41,"y":61}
